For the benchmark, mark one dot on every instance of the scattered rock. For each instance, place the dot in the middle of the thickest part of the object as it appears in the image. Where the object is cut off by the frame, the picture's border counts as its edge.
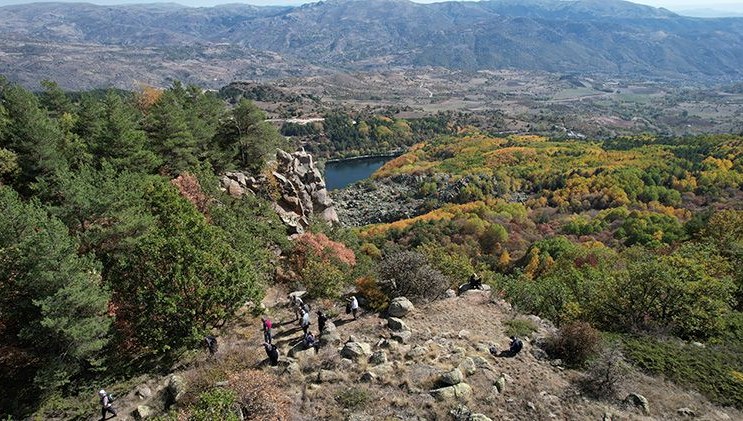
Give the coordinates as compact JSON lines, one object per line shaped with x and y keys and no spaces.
{"x":143,"y":412}
{"x":500,"y":384}
{"x":330,"y":337}
{"x":368,"y":377}
{"x":686,"y":412}
{"x":399,"y":307}
{"x":355,"y":350}
{"x":403,"y":336}
{"x":176,"y":389}
{"x":459,"y":391}
{"x":396,"y":324}
{"x":531,"y":406}
{"x":450,"y":293}
{"x":328,"y":376}
{"x":468,"y":366}
{"x":378,"y":358}
{"x":478,"y":417}
{"x":463,"y":334}
{"x":638,"y":401}
{"x":417,"y":352}
{"x":482,"y":363}
{"x":143,"y":392}
{"x":450,"y":378}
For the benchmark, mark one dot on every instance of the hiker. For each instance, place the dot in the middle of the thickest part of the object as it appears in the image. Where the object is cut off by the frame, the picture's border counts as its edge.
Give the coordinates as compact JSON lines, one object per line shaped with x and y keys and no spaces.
{"x":211,"y":344}
{"x":297,"y":305}
{"x":475,"y":282}
{"x":267,"y":325}
{"x":106,"y":404}
{"x":305,"y":322}
{"x":272,"y":352}
{"x":310,"y":342}
{"x":515,"y":346}
{"x":321,"y":319}
{"x":353,"y":305}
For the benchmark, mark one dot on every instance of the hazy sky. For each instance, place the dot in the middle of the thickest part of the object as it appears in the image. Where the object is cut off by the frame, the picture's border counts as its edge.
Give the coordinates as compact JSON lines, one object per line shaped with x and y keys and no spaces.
{"x":669,"y":4}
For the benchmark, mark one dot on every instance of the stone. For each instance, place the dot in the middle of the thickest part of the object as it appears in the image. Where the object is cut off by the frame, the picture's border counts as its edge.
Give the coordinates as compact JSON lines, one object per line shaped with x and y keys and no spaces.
{"x":461,"y":391}
{"x":500,"y":383}
{"x":531,"y":406}
{"x":416,"y":352}
{"x":686,"y":412}
{"x":478,"y":417}
{"x":450,"y":293}
{"x":328,"y":376}
{"x":143,"y":412}
{"x":143,"y":392}
{"x":467,"y":365}
{"x":400,"y":306}
{"x":639,"y":402}
{"x":331,"y":337}
{"x":355,"y":351}
{"x":403,"y":337}
{"x":463,"y":334}
{"x":368,"y":377}
{"x":396,"y":324}
{"x":450,"y":378}
{"x":176,"y":388}
{"x":482,"y":363}
{"x":297,"y":294}
{"x":378,"y":358}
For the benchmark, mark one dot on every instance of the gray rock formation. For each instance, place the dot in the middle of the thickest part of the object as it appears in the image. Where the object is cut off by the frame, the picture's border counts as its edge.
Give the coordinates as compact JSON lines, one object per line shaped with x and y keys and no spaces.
{"x":301,"y":190}
{"x":449,"y":393}
{"x":639,"y":401}
{"x":450,"y":378}
{"x":396,"y":324}
{"x":355,"y":350}
{"x":400,"y":306}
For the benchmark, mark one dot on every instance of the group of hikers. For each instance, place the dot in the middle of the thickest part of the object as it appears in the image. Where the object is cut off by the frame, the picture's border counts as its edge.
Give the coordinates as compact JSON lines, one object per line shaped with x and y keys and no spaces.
{"x":302,"y":313}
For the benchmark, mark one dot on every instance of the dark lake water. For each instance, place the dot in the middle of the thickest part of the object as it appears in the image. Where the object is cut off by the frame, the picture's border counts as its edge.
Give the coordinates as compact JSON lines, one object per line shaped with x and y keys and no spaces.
{"x":340,"y":174}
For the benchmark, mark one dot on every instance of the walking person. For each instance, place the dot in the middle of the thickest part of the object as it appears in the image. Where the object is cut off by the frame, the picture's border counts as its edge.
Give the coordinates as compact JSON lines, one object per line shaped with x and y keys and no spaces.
{"x":106,"y":404}
{"x":267,"y":325}
{"x":305,"y":321}
{"x":353,"y":305}
{"x":273,"y":354}
{"x":321,"y":320}
{"x":211,"y":344}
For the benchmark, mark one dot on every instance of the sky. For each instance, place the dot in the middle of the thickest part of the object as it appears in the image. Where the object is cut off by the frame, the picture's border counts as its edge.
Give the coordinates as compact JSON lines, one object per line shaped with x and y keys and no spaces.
{"x":728,"y":5}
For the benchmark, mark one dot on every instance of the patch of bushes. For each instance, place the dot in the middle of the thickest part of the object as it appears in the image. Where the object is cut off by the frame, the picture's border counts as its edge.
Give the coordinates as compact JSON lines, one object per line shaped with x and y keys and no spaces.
{"x":604,"y":374}
{"x":409,"y":274}
{"x":215,"y":404}
{"x":575,"y":343}
{"x":520,"y":327}
{"x":353,"y":398}
{"x":713,"y":370}
{"x":375,"y":298}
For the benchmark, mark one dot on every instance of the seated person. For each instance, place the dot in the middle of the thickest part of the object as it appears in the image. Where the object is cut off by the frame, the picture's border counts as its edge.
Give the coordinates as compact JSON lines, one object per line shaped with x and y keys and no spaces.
{"x":475,"y":282}
{"x":309,"y":341}
{"x":516,"y":346}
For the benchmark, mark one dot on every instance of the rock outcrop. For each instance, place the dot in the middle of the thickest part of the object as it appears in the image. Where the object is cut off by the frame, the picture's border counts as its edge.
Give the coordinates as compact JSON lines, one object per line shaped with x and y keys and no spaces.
{"x":399,"y":307}
{"x":297,"y":190}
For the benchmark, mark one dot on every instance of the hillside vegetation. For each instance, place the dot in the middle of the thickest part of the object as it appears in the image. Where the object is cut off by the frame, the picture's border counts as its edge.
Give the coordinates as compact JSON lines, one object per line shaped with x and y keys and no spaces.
{"x":118,"y":253}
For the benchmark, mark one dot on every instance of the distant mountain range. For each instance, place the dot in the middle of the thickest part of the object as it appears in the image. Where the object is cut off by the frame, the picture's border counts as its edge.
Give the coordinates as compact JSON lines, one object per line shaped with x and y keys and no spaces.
{"x":157,"y":42}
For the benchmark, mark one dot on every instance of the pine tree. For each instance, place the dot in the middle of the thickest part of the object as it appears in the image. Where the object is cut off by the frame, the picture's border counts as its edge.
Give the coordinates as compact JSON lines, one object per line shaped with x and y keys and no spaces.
{"x":170,"y":133}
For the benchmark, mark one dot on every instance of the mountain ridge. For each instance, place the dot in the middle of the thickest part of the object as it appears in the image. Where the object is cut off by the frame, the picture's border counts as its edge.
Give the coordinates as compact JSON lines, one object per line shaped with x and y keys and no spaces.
{"x":616,"y":37}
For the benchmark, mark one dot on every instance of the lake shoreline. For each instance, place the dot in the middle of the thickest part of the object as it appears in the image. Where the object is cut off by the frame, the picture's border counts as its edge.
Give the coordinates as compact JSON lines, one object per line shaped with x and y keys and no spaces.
{"x":390,"y":154}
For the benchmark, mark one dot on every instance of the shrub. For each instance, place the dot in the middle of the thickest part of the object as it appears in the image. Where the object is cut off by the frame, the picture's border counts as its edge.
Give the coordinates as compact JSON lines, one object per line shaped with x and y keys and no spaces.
{"x":575,"y":343}
{"x":604,"y":375}
{"x":520,"y":327}
{"x":259,"y":396}
{"x":353,"y":398}
{"x":409,"y":274}
{"x":375,"y":298}
{"x":215,"y":404}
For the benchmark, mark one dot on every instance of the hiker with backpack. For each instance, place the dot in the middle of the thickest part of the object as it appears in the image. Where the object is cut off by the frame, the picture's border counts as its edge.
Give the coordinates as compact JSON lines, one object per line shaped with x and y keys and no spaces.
{"x":352,"y":306}
{"x":272,"y":352}
{"x":475,"y":282}
{"x":515,"y":347}
{"x":211,"y":344}
{"x":106,"y":404}
{"x":267,"y":325}
{"x":321,"y":320}
{"x":297,"y":306}
{"x":310,"y":342}
{"x":305,"y":321}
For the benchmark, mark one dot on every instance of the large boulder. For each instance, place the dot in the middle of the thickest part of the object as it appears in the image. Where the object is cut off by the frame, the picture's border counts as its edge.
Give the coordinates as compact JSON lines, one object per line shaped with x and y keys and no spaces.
{"x":461,"y":391}
{"x":400,"y":307}
{"x":378,"y":358}
{"x":143,"y":412}
{"x":356,"y":351}
{"x":638,"y":401}
{"x":450,"y":378}
{"x":176,"y":388}
{"x":402,"y":336}
{"x":396,"y":324}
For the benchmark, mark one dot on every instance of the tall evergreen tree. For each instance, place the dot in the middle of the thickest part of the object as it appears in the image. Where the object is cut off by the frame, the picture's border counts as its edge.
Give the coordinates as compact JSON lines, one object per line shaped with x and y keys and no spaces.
{"x":168,"y":128}
{"x":53,"y":318}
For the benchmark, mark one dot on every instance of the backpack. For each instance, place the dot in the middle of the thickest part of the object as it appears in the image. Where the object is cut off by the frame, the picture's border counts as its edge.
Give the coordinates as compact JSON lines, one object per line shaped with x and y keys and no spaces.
{"x":348,"y":308}
{"x":110,"y":398}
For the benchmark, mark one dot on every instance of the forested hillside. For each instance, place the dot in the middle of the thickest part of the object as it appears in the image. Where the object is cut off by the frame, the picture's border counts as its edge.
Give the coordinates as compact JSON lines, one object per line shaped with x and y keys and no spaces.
{"x":116,"y":250}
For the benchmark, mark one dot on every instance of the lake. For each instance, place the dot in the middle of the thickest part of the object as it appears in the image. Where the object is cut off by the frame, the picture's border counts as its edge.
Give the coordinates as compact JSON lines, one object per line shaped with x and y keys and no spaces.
{"x":339,"y":174}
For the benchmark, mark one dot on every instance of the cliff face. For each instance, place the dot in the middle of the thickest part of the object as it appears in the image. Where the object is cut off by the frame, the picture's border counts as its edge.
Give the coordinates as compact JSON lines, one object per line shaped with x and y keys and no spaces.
{"x":296,"y":188}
